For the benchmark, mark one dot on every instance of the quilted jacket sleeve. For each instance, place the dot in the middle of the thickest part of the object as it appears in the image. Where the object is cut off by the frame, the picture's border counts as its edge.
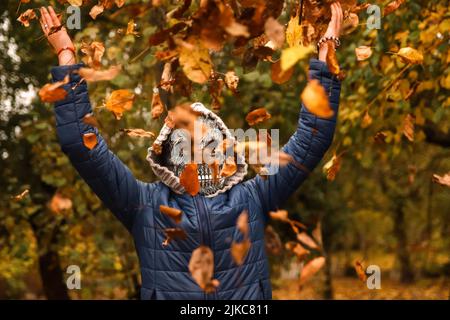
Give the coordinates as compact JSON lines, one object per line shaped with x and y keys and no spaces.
{"x":307,"y":145}
{"x":108,"y":177}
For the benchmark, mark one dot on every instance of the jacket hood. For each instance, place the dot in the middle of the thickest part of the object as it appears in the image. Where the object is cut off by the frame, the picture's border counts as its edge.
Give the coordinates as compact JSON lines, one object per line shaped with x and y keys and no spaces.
{"x":170,"y":179}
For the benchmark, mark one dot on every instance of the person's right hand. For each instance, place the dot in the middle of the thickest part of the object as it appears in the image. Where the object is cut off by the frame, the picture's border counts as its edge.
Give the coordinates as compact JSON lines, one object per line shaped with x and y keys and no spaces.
{"x":59,"y":39}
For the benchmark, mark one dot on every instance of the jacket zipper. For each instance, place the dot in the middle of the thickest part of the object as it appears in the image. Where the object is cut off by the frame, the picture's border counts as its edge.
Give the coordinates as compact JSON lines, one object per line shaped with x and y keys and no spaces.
{"x":205,"y":229}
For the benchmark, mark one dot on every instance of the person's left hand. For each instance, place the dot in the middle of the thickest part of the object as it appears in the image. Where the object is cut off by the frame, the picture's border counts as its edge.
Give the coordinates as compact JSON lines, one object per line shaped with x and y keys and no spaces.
{"x":333,"y":30}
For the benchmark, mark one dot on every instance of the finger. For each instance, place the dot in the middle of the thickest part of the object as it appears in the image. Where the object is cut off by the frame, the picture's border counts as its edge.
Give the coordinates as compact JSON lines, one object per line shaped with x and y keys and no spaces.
{"x":44,"y":29}
{"x":53,"y":16}
{"x":47,"y":19}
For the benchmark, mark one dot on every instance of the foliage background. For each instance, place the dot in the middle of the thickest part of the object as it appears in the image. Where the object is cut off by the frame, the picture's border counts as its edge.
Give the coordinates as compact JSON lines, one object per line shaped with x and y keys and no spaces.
{"x":383,"y":206}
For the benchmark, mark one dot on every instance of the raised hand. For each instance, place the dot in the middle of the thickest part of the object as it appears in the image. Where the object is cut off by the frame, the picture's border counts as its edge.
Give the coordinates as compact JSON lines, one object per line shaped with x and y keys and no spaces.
{"x":333,"y":30}
{"x":57,"y":36}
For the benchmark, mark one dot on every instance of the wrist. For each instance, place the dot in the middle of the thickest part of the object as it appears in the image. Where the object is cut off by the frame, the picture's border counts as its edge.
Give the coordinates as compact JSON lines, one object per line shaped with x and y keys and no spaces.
{"x":66,"y":58}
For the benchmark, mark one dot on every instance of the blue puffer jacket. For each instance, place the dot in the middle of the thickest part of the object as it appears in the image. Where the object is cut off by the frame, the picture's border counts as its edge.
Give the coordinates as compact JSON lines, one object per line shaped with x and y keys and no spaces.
{"x":210,"y":221}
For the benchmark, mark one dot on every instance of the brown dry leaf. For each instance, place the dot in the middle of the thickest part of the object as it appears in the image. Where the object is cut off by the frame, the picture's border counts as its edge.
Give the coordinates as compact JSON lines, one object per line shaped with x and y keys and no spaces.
{"x":257,"y":116}
{"x":232,"y":81}
{"x":275,"y":32}
{"x":360,"y":271}
{"x":278,"y":75}
{"x":350,"y":23}
{"x":96,"y":10}
{"x":410,"y":55}
{"x":380,"y":137}
{"x":442,"y":180}
{"x":367,"y":120}
{"x":363,"y":53}
{"x":332,"y":62}
{"x":93,"y":53}
{"x":21,"y":195}
{"x":59,"y":203}
{"x":90,"y":140}
{"x":229,"y":168}
{"x":52,"y":92}
{"x":304,"y":238}
{"x":157,"y":105}
{"x":311,"y":268}
{"x":392,"y":6}
{"x":26,"y":16}
{"x":281,"y":215}
{"x":332,"y":167}
{"x":316,"y":100}
{"x":408,"y":127}
{"x":120,"y":101}
{"x":195,"y":60}
{"x":297,"y":249}
{"x":92,"y":75}
{"x":272,"y":241}
{"x":242,"y":223}
{"x":175,"y":214}
{"x":91,"y":120}
{"x":189,"y":179}
{"x":201,"y":267}
{"x":173,"y":234}
{"x":138,"y":133}
{"x":239,"y":251}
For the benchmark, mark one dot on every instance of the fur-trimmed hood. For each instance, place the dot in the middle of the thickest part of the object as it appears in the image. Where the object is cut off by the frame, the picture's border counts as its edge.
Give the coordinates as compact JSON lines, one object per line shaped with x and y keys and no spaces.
{"x":170,"y":179}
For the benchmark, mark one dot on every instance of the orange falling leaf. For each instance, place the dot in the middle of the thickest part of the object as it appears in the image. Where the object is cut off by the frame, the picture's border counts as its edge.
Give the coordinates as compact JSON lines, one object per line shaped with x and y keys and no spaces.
{"x":52,"y":92}
{"x":316,"y":100}
{"x":120,"y":101}
{"x":363,"y":53}
{"x":257,"y":116}
{"x":278,"y":75}
{"x":90,"y":140}
{"x":189,"y":179}
{"x":281,"y":215}
{"x":92,"y":75}
{"x":360,"y":271}
{"x":26,"y":16}
{"x":201,"y":267}
{"x":139,"y":133}
{"x":229,"y":168}
{"x":91,"y":120}
{"x":173,"y":234}
{"x":311,"y":268}
{"x":239,"y":251}
{"x":60,"y":203}
{"x":173,"y":213}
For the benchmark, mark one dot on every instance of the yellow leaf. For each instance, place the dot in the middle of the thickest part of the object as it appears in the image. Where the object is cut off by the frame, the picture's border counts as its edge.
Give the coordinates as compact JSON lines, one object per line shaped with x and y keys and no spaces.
{"x":290,"y":56}
{"x":293,"y":32}
{"x":410,"y":55}
{"x":119,"y":101}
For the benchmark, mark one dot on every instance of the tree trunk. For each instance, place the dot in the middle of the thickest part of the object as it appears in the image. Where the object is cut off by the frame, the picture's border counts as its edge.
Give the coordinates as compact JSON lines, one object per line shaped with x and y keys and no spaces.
{"x":52,"y":275}
{"x":406,"y":271}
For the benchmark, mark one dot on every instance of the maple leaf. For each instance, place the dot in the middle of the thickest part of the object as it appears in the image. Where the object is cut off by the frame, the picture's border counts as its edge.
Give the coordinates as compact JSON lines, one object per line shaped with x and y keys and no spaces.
{"x":93,"y":53}
{"x":120,"y":101}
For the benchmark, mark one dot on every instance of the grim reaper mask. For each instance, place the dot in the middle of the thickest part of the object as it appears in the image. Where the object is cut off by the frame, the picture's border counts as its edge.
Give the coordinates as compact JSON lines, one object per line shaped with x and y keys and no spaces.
{"x":168,"y":154}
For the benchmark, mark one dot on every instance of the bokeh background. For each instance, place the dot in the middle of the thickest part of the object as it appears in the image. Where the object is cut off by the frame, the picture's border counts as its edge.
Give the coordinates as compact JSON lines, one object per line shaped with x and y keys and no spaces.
{"x":383,"y":207}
